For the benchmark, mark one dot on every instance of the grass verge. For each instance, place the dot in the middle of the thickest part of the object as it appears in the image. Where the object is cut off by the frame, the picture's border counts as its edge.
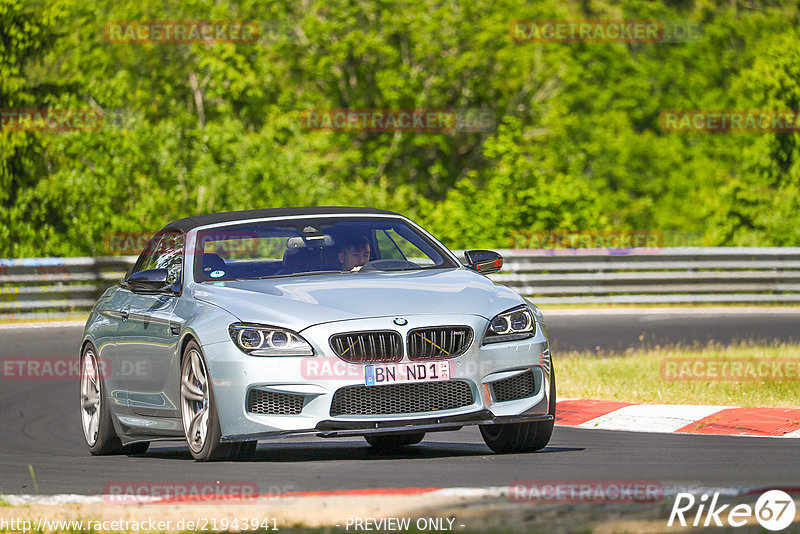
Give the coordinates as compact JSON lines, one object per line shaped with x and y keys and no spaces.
{"x":642,"y":375}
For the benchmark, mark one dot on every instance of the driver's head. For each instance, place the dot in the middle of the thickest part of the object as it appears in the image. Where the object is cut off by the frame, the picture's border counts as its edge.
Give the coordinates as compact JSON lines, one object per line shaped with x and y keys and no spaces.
{"x":353,"y":252}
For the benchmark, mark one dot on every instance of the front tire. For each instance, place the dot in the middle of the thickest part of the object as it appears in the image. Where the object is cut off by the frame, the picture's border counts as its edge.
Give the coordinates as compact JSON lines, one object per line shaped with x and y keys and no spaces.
{"x":198,"y":408}
{"x":523,"y":437}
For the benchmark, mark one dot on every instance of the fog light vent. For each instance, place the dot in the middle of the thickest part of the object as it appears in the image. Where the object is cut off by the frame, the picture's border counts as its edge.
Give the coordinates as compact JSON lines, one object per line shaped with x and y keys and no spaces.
{"x":273,"y":403}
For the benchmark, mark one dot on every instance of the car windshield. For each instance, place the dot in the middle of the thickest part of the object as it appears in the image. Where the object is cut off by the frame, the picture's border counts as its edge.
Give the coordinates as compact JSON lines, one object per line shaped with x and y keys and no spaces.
{"x":314,"y":246}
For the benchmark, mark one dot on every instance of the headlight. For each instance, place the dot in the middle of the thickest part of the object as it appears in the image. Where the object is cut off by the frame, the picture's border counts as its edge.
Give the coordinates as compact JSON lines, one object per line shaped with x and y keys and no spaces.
{"x":518,"y":323}
{"x":259,"y":340}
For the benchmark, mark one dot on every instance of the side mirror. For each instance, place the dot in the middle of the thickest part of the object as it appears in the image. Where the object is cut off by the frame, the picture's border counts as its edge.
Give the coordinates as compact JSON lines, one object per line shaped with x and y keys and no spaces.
{"x":483,"y":261}
{"x":149,"y":280}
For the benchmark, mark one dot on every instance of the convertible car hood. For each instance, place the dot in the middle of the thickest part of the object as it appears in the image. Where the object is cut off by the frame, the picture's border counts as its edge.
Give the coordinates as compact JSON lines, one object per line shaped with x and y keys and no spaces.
{"x":300,"y":302}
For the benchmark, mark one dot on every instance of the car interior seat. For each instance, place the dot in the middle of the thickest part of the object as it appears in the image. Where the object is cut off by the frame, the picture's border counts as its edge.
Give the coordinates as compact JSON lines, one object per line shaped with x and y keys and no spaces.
{"x":299,"y":260}
{"x":330,"y":259}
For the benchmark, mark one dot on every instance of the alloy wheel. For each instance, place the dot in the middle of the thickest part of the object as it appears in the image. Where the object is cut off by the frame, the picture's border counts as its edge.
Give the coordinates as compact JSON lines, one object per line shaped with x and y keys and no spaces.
{"x":90,"y":397}
{"x":195,"y":403}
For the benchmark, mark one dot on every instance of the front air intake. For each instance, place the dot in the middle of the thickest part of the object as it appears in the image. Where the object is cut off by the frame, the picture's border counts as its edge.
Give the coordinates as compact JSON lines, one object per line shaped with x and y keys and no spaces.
{"x":402,"y":398}
{"x":516,"y":387}
{"x":264,"y":402}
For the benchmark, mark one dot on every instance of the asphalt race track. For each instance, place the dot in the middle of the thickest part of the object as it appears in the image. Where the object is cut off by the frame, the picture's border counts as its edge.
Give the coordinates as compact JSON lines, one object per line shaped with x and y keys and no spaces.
{"x":40,"y":428}
{"x":590,"y":330}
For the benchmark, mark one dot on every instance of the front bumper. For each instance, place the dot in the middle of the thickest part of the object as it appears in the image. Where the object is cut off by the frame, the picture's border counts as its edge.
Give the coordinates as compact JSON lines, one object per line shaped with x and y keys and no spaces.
{"x":318,"y":378}
{"x":335,"y":429}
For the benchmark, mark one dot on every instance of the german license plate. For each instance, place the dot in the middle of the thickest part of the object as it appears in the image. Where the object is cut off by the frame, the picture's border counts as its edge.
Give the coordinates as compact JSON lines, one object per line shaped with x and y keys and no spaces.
{"x":406,"y":372}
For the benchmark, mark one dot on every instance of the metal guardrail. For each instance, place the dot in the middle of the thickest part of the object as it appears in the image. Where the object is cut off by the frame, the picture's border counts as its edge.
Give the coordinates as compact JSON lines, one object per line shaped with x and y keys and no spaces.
{"x":42,"y":287}
{"x":653,"y":276}
{"x":56,"y":287}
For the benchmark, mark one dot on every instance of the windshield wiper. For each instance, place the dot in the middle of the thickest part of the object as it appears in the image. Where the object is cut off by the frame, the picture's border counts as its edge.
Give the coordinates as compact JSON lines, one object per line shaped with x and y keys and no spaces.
{"x":308,"y":273}
{"x":379,"y":270}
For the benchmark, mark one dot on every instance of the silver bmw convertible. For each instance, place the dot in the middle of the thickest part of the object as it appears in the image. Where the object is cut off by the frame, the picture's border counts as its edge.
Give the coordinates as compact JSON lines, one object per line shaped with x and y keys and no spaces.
{"x":236,"y":327}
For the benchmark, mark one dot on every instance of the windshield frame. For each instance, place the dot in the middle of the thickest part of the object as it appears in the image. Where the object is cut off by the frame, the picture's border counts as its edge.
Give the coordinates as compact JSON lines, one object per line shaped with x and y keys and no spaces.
{"x":449,"y":260}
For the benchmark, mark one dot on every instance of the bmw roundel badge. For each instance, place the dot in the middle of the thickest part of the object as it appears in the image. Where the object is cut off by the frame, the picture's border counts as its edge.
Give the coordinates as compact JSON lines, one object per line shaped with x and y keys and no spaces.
{"x":399,"y":321}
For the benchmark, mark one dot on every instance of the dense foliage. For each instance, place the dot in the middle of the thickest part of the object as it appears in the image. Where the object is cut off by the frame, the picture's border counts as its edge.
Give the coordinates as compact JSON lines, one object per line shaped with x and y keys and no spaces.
{"x":201,"y":127}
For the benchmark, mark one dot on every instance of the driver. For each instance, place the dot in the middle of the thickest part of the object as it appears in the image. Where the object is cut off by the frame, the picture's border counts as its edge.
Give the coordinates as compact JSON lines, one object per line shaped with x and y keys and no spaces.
{"x":353,"y":252}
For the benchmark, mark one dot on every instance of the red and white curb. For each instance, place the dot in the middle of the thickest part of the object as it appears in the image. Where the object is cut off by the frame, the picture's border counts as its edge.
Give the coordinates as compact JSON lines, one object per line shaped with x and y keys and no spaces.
{"x":680,"y":419}
{"x":481,"y":492}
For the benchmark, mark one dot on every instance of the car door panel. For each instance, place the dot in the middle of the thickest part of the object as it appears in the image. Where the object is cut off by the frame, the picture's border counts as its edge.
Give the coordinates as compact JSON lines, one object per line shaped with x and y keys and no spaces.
{"x":147,"y":343}
{"x":105,"y":322}
{"x":146,"y":351}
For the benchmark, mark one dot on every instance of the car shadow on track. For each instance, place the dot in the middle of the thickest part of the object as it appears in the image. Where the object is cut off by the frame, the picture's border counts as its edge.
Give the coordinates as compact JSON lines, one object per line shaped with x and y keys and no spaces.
{"x":353,"y":451}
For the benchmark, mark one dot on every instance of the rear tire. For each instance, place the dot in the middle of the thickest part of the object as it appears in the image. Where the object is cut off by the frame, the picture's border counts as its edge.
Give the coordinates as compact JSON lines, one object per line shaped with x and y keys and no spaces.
{"x":523,"y":437}
{"x":397,"y":441}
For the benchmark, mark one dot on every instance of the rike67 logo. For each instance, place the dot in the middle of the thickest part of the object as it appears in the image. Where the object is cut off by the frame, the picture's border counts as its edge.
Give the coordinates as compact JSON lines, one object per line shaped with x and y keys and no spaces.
{"x":774,"y":510}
